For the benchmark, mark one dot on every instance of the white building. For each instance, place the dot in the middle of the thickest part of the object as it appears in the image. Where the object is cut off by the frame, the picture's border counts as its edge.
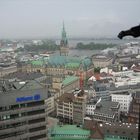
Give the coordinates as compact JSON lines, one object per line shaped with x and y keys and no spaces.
{"x":91,"y":106}
{"x":126,"y":78}
{"x":124,"y":98}
{"x":50,"y":104}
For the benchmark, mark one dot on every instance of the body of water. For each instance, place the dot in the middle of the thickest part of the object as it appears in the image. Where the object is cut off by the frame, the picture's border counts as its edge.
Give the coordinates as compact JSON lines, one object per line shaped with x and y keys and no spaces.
{"x":83,"y":53}
{"x":73,"y":42}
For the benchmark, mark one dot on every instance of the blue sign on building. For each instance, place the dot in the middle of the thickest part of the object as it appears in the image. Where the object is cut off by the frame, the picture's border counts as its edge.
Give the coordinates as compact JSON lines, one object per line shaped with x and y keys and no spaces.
{"x":36,"y":97}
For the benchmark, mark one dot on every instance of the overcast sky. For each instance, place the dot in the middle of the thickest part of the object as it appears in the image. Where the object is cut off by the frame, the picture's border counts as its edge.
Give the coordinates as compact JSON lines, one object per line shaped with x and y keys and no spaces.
{"x":83,"y":18}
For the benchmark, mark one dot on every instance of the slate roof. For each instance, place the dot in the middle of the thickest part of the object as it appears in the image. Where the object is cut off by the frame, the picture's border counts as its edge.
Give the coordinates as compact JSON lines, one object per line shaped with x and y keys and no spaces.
{"x":9,"y":87}
{"x":19,"y":81}
{"x":23,"y":75}
{"x":105,"y":107}
{"x":66,"y":97}
{"x":113,"y":129}
{"x":120,"y":129}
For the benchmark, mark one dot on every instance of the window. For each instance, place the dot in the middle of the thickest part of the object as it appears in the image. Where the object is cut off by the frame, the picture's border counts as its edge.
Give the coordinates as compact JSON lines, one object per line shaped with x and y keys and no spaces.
{"x":22,"y":105}
{"x":123,"y":132}
{"x":107,"y":131}
{"x":4,"y":108}
{"x":5,"y":117}
{"x":131,"y":133}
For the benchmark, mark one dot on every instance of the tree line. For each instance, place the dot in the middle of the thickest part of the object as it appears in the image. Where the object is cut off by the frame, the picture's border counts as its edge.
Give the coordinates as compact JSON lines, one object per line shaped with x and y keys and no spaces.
{"x":50,"y":45}
{"x":45,"y":46}
{"x":93,"y":46}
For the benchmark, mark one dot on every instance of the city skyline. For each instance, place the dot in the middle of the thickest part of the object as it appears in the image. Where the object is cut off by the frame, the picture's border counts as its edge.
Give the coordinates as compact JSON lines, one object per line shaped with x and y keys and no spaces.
{"x":44,"y":18}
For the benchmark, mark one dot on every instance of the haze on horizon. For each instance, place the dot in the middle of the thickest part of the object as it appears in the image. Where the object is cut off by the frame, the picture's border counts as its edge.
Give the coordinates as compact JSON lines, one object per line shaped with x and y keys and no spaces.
{"x":83,"y":18}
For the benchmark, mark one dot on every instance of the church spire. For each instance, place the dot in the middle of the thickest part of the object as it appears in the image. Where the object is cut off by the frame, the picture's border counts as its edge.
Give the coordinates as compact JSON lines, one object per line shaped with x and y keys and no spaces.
{"x":64,"y":41}
{"x":64,"y":49}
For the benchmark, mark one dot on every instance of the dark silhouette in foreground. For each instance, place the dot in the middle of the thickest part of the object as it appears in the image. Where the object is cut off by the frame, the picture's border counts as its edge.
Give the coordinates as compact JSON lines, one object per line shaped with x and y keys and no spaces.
{"x":134,"y":31}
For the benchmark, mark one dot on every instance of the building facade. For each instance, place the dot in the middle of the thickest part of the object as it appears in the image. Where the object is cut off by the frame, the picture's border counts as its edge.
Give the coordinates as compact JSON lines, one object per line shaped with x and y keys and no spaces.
{"x":7,"y":70}
{"x":79,"y":108}
{"x":61,"y":65}
{"x":91,"y":106}
{"x":124,"y":98}
{"x":64,"y":108}
{"x":101,"y":61}
{"x":50,"y":104}
{"x":133,"y":115}
{"x":71,"y":107}
{"x":65,"y":85}
{"x":23,"y":113}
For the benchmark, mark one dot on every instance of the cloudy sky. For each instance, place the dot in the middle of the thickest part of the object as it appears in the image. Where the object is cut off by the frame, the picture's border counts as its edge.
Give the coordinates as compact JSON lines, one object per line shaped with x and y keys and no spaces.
{"x":83,"y":18}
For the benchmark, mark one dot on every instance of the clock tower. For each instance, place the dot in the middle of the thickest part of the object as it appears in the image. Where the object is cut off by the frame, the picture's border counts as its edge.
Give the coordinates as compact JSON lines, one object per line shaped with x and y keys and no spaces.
{"x":64,"y":49}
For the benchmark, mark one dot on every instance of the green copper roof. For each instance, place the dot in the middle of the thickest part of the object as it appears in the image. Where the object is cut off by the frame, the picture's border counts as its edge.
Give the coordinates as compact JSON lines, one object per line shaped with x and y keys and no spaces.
{"x":69,"y":130}
{"x":63,"y":61}
{"x":72,"y":65}
{"x":112,"y":138}
{"x":69,"y":79}
{"x":57,"y":60}
{"x":86,"y":62}
{"x":66,"y":138}
{"x":37,"y":62}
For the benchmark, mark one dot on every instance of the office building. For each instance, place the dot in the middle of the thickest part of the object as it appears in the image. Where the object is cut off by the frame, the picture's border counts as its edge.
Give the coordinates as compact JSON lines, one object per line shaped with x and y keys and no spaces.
{"x":133,"y":114}
{"x":107,"y":111}
{"x":71,"y":107}
{"x":101,"y":61}
{"x":79,"y":107}
{"x":23,"y":110}
{"x":124,"y":98}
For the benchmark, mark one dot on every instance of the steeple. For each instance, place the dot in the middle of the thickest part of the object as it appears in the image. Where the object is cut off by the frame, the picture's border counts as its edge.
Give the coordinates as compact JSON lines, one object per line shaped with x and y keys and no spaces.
{"x":64,"y":42}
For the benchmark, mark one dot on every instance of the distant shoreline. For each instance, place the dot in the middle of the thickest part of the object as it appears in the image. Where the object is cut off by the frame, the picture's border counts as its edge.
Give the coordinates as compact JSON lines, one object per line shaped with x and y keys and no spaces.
{"x":73,"y":42}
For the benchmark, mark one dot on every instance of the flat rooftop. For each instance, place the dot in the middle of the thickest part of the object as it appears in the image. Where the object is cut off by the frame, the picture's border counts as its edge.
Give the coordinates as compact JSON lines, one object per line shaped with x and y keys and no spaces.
{"x":24,"y":75}
{"x":121,"y":93}
{"x":105,"y":107}
{"x":66,"y":97}
{"x":20,"y":86}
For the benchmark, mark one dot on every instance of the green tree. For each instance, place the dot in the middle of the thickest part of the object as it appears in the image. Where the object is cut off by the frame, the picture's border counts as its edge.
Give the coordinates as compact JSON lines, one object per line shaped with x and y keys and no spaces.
{"x":47,"y":45}
{"x":93,"y":46}
{"x":97,"y":70}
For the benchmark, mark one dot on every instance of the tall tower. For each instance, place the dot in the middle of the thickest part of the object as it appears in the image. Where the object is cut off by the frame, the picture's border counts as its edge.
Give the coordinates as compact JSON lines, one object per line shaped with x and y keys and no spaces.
{"x":64,"y":49}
